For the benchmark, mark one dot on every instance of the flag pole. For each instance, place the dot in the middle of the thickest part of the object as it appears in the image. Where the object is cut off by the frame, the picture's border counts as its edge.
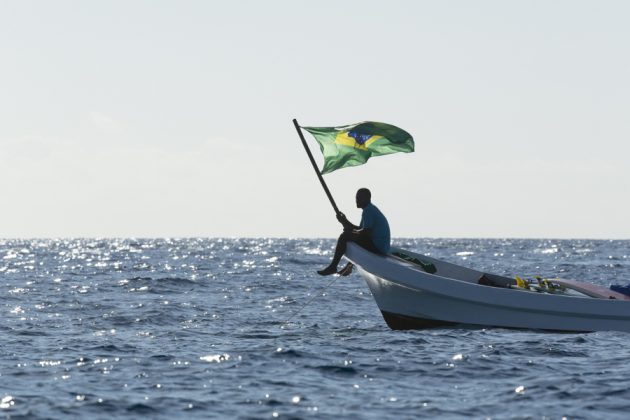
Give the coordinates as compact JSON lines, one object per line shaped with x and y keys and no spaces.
{"x":319,"y":175}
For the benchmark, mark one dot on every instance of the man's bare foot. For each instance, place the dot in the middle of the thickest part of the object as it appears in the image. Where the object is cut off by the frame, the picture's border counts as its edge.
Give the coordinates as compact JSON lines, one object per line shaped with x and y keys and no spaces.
{"x":327,"y":271}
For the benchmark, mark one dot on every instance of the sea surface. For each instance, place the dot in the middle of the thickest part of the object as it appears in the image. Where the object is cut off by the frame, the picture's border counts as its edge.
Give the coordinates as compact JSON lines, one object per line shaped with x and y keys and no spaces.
{"x":245,"y":328}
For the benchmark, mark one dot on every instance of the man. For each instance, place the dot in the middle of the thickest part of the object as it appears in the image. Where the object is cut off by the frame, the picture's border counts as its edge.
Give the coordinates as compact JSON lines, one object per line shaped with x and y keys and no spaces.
{"x":372,"y":234}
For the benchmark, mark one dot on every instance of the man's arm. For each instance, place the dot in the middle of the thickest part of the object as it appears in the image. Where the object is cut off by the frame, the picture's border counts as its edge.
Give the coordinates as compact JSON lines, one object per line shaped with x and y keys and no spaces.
{"x":367,"y":233}
{"x":367,"y":224}
{"x":345,"y":223}
{"x":347,"y":226}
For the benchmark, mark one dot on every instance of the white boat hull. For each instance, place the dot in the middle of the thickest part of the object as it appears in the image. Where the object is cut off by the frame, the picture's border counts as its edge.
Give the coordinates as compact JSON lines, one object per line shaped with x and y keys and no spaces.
{"x":408,"y":297}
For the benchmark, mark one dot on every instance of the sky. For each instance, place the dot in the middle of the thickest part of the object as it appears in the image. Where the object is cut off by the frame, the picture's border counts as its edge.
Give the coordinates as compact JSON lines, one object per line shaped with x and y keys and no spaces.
{"x":174,"y":118}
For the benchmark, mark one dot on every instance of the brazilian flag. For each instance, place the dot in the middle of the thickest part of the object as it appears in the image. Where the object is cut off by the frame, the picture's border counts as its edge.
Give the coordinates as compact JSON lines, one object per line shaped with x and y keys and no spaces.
{"x":353,"y":145}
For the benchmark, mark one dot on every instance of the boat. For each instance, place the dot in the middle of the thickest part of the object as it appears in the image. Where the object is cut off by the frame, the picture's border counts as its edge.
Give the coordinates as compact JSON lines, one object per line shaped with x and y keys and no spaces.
{"x":415,"y":291}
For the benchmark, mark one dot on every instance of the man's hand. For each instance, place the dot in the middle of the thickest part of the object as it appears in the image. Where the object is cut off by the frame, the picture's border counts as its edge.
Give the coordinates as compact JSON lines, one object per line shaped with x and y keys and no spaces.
{"x":347,"y":226}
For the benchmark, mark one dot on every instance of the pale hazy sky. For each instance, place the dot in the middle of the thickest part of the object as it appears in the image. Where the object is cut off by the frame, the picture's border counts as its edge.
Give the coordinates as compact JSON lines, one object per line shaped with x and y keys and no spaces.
{"x":173,"y":118}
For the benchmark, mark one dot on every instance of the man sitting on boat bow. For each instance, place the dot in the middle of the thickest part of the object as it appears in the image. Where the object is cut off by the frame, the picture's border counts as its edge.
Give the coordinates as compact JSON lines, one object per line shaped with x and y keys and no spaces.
{"x":372,"y":233}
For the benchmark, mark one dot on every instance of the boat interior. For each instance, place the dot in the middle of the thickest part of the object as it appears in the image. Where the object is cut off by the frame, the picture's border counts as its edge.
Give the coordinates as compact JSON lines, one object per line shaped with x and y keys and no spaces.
{"x":446,"y":269}
{"x":454,"y":271}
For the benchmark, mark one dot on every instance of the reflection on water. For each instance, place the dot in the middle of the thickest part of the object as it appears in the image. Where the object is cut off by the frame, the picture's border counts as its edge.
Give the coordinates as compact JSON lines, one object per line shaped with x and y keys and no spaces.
{"x":193,"y":328}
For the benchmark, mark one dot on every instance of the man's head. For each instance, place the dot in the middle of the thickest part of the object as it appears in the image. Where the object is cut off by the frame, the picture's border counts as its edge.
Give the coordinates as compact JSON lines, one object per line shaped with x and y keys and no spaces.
{"x":364,"y":196}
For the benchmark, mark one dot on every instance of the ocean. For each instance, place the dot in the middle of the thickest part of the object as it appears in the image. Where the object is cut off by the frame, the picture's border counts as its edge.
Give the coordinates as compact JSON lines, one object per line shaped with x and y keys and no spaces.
{"x":197,"y":328}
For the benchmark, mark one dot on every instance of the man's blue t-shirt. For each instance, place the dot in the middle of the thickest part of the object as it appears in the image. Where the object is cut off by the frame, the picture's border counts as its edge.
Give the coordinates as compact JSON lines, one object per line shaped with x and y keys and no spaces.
{"x":374,"y":220}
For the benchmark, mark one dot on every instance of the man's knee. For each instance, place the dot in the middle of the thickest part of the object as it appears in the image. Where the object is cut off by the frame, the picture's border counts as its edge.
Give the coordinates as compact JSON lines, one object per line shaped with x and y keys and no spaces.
{"x":348,"y":237}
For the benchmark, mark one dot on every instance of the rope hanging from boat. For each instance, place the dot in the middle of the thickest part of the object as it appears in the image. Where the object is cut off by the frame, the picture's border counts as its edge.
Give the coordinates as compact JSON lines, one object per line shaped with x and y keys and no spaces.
{"x":319,"y":292}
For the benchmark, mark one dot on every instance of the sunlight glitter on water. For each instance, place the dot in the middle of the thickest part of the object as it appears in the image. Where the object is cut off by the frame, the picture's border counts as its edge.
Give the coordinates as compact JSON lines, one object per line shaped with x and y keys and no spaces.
{"x":17,"y":310}
{"x":7,"y":402}
{"x":315,"y":251}
{"x":338,"y":357}
{"x":44,"y":363}
{"x":218,"y":358}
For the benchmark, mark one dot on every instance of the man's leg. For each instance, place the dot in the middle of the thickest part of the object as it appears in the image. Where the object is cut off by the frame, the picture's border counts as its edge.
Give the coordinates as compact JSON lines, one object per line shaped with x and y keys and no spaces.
{"x":339,"y":251}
